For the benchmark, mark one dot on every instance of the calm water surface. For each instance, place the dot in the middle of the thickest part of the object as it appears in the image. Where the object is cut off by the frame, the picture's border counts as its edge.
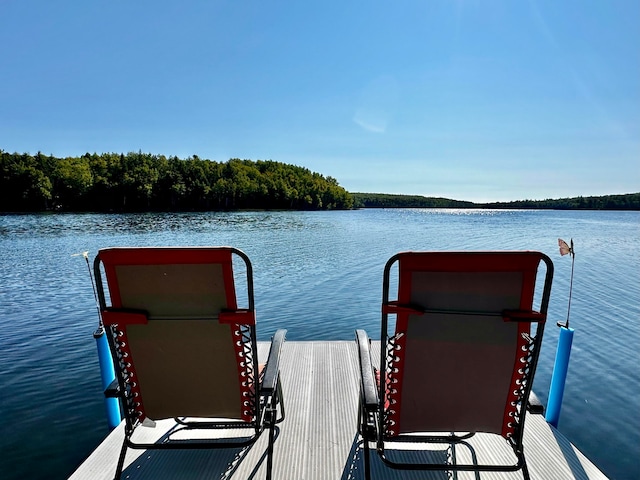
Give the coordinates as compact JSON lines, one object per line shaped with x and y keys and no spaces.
{"x":319,"y":275}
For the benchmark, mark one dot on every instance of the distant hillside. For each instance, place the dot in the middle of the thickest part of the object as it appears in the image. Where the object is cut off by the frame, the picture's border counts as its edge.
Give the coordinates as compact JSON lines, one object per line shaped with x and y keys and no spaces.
{"x":385,"y":200}
{"x":629,"y":201}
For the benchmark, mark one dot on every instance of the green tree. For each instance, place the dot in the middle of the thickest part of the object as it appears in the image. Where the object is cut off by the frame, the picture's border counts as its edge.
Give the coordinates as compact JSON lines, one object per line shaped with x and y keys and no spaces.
{"x":24,"y":185}
{"x":72,"y":180}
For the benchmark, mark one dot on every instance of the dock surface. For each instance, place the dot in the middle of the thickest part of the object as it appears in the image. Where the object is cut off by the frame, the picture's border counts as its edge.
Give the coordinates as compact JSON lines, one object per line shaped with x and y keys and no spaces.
{"x":318,"y":439}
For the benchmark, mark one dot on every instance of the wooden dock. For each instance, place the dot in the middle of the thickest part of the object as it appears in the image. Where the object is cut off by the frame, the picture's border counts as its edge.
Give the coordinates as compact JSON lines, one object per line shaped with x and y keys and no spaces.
{"x":318,"y":439}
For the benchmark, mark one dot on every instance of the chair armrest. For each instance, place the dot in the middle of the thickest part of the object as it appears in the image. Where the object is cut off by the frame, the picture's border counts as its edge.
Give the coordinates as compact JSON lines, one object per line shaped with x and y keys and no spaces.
{"x":113,"y":390}
{"x":270,"y":378}
{"x":524,"y":316}
{"x":534,"y":405}
{"x":368,"y":382}
{"x":125,"y":316}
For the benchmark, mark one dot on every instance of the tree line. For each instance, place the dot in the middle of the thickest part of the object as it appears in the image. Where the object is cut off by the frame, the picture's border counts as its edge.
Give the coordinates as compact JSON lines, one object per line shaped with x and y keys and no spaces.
{"x":145,"y":182}
{"x":388,"y":200}
{"x":630,"y":201}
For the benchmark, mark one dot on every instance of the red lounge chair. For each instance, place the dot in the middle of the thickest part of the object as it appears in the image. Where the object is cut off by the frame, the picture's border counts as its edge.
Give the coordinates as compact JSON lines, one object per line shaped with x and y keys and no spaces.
{"x":183,"y":349}
{"x":462,"y":357}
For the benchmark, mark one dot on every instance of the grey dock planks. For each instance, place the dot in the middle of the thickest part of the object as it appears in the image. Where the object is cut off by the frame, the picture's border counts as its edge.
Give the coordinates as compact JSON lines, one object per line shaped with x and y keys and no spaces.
{"x":318,"y":440}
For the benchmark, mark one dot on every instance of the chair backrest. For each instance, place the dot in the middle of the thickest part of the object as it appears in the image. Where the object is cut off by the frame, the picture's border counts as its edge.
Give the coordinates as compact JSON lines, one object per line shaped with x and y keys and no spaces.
{"x":183,"y":346}
{"x":462,"y":356}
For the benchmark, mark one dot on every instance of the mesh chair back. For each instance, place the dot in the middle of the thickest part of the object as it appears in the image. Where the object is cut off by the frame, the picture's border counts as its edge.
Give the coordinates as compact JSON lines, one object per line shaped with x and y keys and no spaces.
{"x":460,"y":355}
{"x":191,"y":353}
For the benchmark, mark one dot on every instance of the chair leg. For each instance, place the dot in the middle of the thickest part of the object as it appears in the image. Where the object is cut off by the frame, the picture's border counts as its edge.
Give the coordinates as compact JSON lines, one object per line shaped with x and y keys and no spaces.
{"x":280,"y":401}
{"x":272,"y":428}
{"x":362,"y":430}
{"x":367,"y":455}
{"x":525,"y":471}
{"x":123,"y":454}
{"x":272,"y":420}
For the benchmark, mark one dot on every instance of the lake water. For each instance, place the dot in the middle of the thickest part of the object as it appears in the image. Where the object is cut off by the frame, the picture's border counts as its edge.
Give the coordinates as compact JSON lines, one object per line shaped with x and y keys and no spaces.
{"x":318,"y":274}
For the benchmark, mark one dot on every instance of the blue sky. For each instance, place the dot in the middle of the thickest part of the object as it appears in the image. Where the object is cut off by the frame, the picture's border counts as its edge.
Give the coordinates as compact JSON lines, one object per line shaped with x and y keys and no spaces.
{"x":482,"y":100}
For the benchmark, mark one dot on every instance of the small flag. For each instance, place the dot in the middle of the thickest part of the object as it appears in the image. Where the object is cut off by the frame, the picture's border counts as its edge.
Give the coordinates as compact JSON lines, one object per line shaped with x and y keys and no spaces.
{"x":564,"y":247}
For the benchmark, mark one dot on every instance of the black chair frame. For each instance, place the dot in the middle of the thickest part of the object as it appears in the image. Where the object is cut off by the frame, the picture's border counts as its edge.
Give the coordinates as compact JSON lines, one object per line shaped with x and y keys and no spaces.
{"x":269,"y":407}
{"x":372,"y":393}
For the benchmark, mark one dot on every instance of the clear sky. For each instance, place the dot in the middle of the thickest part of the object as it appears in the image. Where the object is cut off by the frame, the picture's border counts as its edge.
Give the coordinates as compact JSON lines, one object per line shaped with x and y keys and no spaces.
{"x":475,"y":100}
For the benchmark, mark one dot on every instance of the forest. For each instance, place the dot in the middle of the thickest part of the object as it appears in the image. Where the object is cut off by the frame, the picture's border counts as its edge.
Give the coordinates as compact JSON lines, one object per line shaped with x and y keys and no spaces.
{"x":114,"y":182}
{"x":387,"y":200}
{"x":630,"y":201}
